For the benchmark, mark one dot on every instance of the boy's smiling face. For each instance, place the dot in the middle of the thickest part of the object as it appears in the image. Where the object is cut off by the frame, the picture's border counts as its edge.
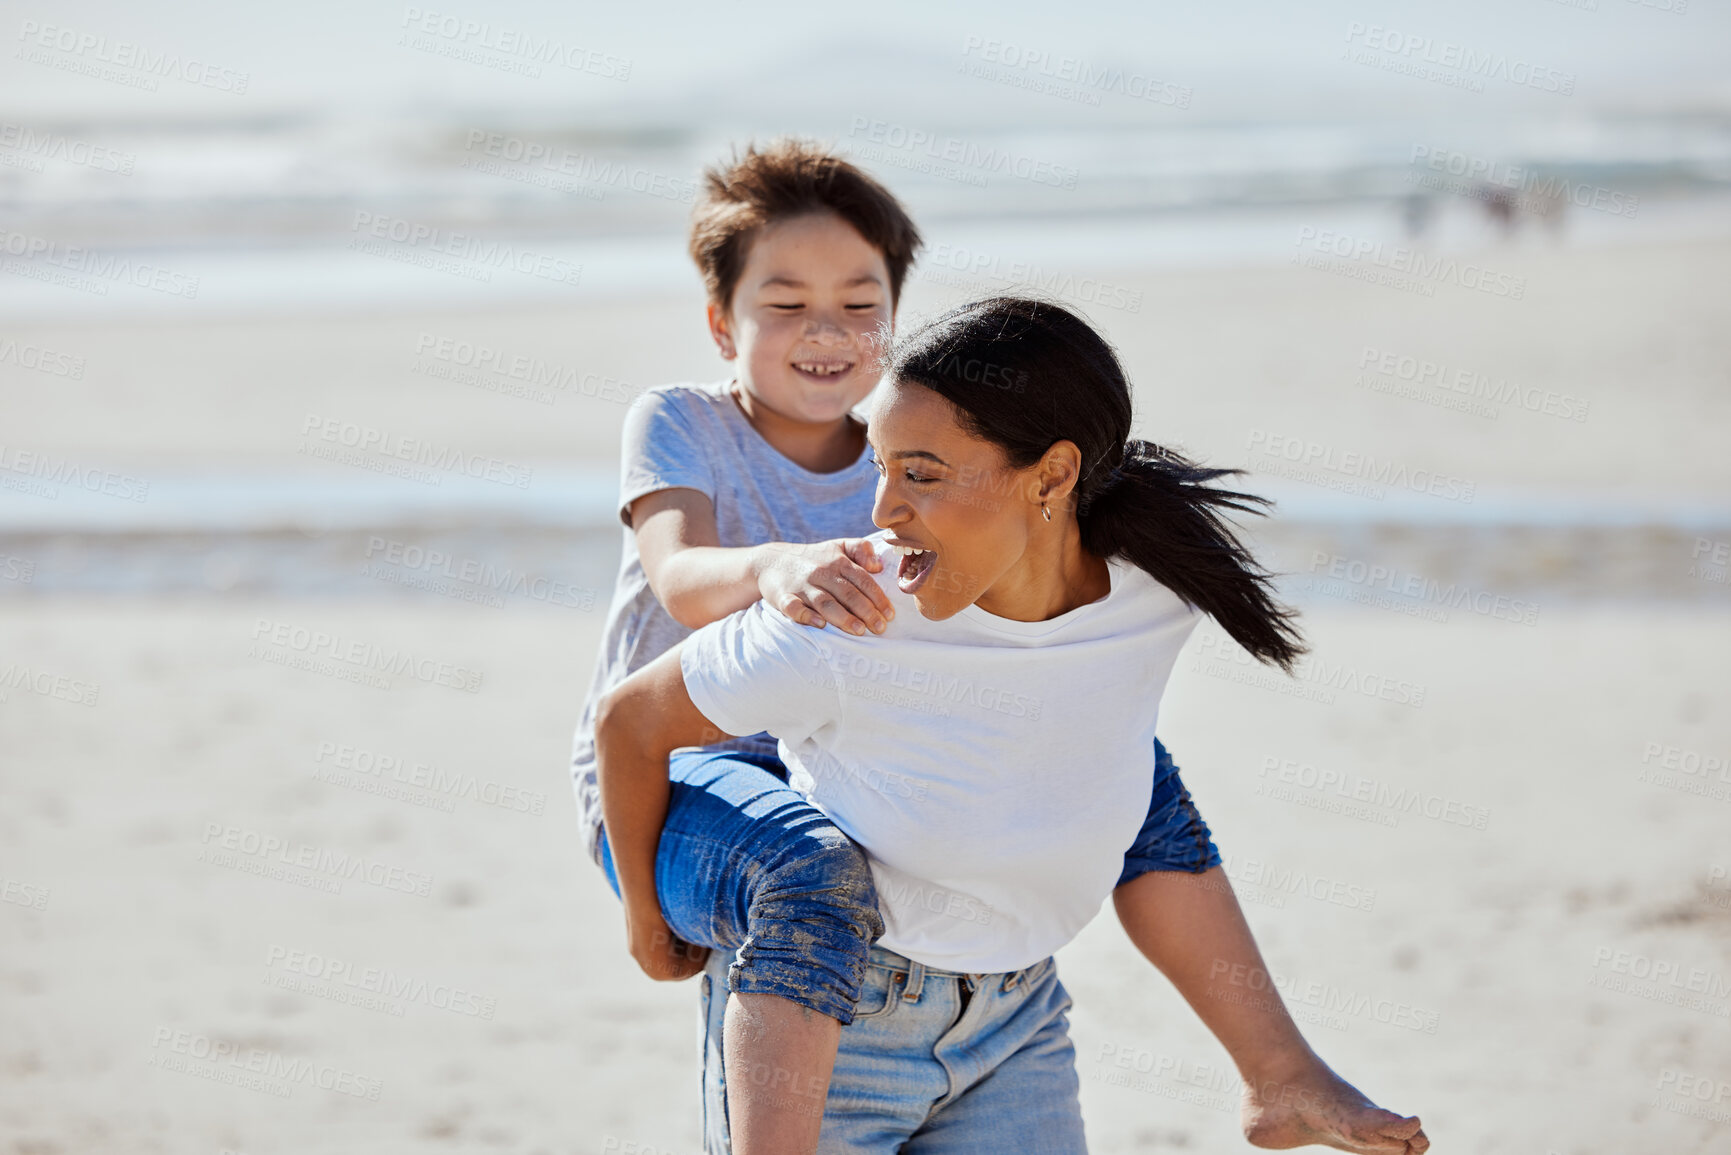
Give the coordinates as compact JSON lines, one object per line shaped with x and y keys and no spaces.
{"x":805,"y":317}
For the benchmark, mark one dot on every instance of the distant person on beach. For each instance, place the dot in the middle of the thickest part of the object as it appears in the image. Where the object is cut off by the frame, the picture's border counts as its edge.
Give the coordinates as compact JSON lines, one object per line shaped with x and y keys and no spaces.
{"x":751,"y":491}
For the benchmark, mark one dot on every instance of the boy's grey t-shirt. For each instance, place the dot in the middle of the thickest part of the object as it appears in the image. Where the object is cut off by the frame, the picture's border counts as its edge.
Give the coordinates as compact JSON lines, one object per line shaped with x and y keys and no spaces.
{"x":696,"y":437}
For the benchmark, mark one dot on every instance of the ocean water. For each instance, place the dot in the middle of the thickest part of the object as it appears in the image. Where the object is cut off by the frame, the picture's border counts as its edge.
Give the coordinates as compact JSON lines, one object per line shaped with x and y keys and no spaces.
{"x":314,"y":213}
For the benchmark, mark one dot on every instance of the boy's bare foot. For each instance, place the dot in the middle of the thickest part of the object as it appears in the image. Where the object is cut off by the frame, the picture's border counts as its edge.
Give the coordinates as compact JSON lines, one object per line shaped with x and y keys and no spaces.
{"x":1321,"y":1108}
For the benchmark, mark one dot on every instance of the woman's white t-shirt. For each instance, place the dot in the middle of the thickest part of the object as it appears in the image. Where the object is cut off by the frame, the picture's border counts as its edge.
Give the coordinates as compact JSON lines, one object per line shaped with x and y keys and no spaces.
{"x":995,"y":771}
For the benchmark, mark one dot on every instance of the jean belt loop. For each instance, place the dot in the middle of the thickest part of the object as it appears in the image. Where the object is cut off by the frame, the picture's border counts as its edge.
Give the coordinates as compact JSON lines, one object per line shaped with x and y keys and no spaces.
{"x":916,"y":979}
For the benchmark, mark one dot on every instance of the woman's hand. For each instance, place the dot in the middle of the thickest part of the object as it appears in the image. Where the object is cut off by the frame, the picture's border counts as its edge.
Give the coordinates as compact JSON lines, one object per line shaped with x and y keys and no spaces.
{"x":826,"y":581}
{"x":664,"y":956}
{"x":1317,"y":1106}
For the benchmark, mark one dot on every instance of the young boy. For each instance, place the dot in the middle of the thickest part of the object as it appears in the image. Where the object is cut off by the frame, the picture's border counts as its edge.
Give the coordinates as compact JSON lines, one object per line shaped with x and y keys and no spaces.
{"x":761,"y":488}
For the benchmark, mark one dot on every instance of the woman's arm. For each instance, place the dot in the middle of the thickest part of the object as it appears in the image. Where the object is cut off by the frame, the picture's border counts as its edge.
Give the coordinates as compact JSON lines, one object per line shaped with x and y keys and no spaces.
{"x":700,"y":581}
{"x":1191,"y":927}
{"x":637,"y":725}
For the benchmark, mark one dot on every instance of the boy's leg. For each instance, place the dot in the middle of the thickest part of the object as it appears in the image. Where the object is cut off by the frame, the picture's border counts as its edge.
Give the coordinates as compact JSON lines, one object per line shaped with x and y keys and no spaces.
{"x":1173,"y":835}
{"x":746,"y":864}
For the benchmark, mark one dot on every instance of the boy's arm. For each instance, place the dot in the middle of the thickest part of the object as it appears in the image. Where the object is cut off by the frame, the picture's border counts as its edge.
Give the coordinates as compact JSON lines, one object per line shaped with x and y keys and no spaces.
{"x":699,"y":581}
{"x":1191,"y":927}
{"x":637,"y":725}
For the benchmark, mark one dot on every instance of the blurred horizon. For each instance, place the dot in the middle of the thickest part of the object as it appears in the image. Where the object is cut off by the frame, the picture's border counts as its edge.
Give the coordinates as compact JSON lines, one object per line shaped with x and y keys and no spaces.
{"x":425,"y":113}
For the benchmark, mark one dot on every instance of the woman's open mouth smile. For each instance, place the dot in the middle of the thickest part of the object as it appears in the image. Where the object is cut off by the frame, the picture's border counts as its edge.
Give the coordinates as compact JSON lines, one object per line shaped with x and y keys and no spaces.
{"x":916,"y":566}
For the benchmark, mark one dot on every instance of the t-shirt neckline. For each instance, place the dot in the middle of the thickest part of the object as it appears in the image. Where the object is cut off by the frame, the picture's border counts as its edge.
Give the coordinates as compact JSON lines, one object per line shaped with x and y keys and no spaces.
{"x":847,"y":475}
{"x":991,"y":621}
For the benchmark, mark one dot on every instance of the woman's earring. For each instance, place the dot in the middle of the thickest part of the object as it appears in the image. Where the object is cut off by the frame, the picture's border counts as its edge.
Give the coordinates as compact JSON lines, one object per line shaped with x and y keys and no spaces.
{"x":1044,"y":512}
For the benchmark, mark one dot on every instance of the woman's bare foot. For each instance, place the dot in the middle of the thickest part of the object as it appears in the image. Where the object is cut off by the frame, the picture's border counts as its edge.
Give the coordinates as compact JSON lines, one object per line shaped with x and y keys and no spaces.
{"x":1319,"y":1107}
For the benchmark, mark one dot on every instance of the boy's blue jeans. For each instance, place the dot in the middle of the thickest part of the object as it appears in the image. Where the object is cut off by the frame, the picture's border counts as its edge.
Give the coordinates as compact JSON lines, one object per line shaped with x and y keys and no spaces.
{"x":746,"y":864}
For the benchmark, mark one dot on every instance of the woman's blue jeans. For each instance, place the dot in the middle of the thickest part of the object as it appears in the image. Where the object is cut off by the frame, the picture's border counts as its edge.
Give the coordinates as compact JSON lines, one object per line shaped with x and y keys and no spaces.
{"x":747,"y":865}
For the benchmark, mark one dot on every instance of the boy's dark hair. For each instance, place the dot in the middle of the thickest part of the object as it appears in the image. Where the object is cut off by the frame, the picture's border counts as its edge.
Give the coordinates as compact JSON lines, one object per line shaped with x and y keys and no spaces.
{"x":1135,"y":500}
{"x":791,"y":178}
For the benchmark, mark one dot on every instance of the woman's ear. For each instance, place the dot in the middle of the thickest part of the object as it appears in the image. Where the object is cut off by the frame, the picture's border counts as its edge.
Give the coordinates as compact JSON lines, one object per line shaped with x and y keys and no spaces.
{"x":1058,"y":472}
{"x":721,"y":328}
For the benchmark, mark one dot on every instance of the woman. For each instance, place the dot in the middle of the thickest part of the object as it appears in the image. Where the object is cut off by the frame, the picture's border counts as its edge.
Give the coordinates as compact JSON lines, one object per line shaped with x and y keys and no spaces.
{"x":991,"y":753}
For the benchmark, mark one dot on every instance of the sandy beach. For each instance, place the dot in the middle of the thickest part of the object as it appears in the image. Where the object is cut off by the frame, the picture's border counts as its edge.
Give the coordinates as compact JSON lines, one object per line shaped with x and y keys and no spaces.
{"x":1215,"y":354}
{"x":259,"y":902}
{"x":1448,"y":969}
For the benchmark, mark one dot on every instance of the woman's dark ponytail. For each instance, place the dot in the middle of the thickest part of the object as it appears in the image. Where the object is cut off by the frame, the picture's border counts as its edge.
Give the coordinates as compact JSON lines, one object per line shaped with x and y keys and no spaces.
{"x":1024,"y":374}
{"x":1156,"y":510}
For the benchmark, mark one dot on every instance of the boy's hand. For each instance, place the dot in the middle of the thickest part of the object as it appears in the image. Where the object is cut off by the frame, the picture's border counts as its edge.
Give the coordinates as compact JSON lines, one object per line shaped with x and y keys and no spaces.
{"x":827,"y":581}
{"x":664,"y":956}
{"x":1318,"y":1107}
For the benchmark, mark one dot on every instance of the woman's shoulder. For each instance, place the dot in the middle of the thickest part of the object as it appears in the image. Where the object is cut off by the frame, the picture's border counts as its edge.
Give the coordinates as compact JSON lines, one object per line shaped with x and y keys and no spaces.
{"x":1146,"y":595}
